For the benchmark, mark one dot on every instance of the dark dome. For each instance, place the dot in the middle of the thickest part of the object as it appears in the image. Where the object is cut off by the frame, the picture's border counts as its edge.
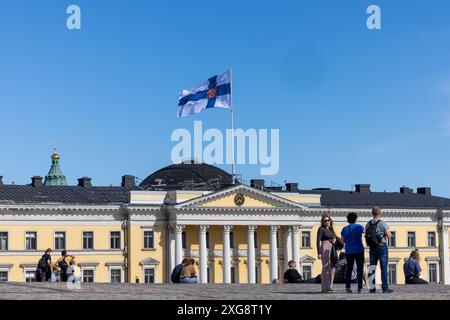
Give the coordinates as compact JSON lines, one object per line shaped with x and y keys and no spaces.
{"x":188,"y":176}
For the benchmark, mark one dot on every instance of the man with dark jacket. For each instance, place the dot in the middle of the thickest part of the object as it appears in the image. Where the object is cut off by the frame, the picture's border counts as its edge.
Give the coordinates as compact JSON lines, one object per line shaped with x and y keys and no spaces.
{"x":292,"y":275}
{"x":175,"y":277}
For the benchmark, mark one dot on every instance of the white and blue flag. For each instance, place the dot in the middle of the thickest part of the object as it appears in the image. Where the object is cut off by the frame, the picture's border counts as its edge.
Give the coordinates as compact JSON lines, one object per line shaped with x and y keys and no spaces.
{"x":214,"y":93}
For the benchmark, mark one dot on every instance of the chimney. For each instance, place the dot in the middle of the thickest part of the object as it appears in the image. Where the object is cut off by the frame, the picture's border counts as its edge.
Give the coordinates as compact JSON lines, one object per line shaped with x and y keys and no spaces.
{"x":292,"y":187}
{"x":36,"y":181}
{"x":363,"y":188}
{"x":425,"y":191}
{"x":85,"y":182}
{"x":406,"y":190}
{"x":257,"y":184}
{"x":128,"y":181}
{"x":1,"y":181}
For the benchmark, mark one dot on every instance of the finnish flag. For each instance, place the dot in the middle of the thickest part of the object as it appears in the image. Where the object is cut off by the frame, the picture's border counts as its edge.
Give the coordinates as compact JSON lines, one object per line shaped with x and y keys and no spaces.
{"x":214,"y":93}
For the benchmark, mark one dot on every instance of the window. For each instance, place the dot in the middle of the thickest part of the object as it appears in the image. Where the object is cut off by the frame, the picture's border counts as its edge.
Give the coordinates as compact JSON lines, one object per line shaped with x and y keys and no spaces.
{"x":3,"y":276}
{"x":207,"y":239}
{"x":149,"y":239}
{"x":392,"y":274}
{"x":432,"y":273}
{"x":30,"y":276}
{"x":116,"y":275}
{"x":231,"y":239}
{"x":149,"y":275}
{"x":88,"y":275}
{"x":3,"y":241}
{"x":233,"y":274}
{"x":88,"y":240}
{"x":411,"y":239}
{"x":60,"y":240}
{"x":184,"y":240}
{"x":256,"y":272}
{"x":432,"y":239}
{"x":209,"y":274}
{"x":256,"y":239}
{"x":306,"y":270}
{"x":30,"y":240}
{"x":392,"y":242}
{"x":115,"y":239}
{"x":306,"y":239}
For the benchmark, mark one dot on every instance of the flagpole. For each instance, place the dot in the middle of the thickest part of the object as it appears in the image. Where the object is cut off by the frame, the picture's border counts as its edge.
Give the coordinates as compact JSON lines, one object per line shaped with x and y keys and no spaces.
{"x":233,"y":167}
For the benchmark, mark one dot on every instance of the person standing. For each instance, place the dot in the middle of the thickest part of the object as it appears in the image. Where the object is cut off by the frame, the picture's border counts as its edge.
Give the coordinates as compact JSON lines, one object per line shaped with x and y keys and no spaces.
{"x":44,"y":269}
{"x":326,"y":239}
{"x":412,"y":269}
{"x":63,"y":263}
{"x":377,"y":235}
{"x":354,"y":251}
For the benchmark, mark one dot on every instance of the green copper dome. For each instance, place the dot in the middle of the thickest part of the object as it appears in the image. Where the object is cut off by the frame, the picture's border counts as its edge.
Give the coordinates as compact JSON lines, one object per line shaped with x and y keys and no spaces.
{"x":55,"y":177}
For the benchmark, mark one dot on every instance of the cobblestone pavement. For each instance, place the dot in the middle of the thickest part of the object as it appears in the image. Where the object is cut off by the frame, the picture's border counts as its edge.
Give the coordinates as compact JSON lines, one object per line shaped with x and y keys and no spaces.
{"x":53,"y":291}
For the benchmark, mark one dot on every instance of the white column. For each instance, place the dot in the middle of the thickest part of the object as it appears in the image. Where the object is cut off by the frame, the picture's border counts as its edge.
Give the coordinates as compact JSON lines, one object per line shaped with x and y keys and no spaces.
{"x":171,"y":247}
{"x":203,"y":255}
{"x":226,"y":262}
{"x":251,"y":259}
{"x":178,"y":243}
{"x":296,"y":246}
{"x":273,"y":253}
{"x":445,"y":255}
{"x":287,"y":246}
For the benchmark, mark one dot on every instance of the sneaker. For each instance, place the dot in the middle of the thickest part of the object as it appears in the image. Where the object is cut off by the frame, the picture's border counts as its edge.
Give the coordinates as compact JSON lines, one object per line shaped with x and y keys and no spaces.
{"x":362,"y":291}
{"x":388,"y":291}
{"x":373,"y":290}
{"x":348,"y":291}
{"x":331,"y":291}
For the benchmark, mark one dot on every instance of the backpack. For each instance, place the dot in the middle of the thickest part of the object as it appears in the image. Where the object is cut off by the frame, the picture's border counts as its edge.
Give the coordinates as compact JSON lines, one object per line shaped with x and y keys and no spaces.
{"x":42,"y":264}
{"x":372,"y":239}
{"x":63,"y":265}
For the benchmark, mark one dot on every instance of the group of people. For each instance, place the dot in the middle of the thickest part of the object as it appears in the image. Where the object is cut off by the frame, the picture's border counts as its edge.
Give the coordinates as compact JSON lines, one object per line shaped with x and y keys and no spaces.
{"x":64,"y":269}
{"x":347,"y":266}
{"x":376,"y":235}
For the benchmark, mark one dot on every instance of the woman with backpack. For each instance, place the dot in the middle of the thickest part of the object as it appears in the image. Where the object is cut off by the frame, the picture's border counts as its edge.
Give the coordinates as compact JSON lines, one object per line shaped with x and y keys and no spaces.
{"x":326,"y":250}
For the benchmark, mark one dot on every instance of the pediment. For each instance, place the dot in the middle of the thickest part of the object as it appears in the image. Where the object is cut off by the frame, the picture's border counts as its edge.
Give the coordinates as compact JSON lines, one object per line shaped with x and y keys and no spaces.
{"x":239,"y":196}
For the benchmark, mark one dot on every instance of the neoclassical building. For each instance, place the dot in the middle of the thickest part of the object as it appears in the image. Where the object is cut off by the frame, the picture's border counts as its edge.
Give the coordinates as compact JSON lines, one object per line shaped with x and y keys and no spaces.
{"x":237,"y":233}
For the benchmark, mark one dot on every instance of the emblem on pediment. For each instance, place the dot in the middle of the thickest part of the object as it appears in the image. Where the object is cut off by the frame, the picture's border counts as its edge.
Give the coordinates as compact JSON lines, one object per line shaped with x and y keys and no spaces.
{"x":239,"y":199}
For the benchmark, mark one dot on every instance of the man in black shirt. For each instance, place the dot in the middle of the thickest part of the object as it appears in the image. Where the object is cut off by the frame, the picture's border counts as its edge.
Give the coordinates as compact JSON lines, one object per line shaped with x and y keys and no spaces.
{"x":291,"y":275}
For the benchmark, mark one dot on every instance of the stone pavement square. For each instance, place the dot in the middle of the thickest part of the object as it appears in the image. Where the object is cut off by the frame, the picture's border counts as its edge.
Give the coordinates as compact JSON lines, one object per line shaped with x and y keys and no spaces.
{"x":105,"y":291}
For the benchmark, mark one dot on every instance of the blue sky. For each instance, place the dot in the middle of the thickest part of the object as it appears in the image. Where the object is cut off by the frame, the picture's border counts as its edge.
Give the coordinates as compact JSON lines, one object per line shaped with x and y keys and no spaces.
{"x":352,"y":105}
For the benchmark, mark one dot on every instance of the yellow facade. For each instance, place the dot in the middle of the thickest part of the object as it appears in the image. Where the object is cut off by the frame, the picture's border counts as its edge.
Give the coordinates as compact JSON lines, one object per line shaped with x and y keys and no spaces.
{"x":146,"y":213}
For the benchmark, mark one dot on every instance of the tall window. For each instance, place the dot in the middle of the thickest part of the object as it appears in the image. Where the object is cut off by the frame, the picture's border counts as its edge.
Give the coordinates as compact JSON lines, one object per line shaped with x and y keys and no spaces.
{"x":30,"y":240}
{"x":233,"y":274}
{"x":3,"y":241}
{"x":432,"y":239}
{"x":306,"y":270}
{"x":411,"y":239}
{"x":208,"y":239}
{"x":88,"y":240}
{"x":392,"y":241}
{"x":231,"y":239}
{"x":184,"y":240}
{"x":149,"y":239}
{"x":116,"y":276}
{"x":3,"y":276}
{"x":30,"y":276}
{"x":60,"y":240}
{"x":392,"y":274}
{"x":149,"y":275}
{"x":115,"y":240}
{"x":306,"y":239}
{"x":88,"y":275}
{"x":432,"y":273}
{"x":256,"y":239}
